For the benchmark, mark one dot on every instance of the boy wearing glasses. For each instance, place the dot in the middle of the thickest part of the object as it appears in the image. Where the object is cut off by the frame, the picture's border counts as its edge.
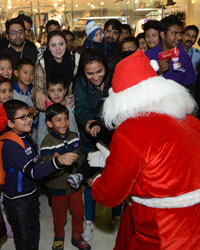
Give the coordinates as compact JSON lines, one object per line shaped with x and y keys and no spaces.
{"x":21,"y":164}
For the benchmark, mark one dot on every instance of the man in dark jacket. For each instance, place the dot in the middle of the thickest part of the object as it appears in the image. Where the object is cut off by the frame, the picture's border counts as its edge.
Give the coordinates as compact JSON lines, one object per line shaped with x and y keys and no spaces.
{"x":18,"y":47}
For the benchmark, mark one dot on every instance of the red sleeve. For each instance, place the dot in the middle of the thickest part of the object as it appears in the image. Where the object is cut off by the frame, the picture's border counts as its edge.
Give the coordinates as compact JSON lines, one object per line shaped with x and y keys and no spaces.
{"x":120,"y":174}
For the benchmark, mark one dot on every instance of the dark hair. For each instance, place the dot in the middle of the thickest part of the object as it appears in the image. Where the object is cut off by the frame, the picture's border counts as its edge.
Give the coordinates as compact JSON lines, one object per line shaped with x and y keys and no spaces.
{"x":55,"y":79}
{"x":23,"y":61}
{"x":90,"y":55}
{"x":54,"y":33}
{"x":6,"y":56}
{"x":68,"y":32}
{"x":55,"y":109}
{"x":151,"y":24}
{"x":191,"y":27}
{"x":25,"y":18}
{"x":4,"y":79}
{"x":14,"y":21}
{"x":13,"y":106}
{"x":140,"y":35}
{"x":116,"y":24}
{"x":52,"y":22}
{"x":169,"y":21}
{"x":125,"y":26}
{"x":130,"y":39}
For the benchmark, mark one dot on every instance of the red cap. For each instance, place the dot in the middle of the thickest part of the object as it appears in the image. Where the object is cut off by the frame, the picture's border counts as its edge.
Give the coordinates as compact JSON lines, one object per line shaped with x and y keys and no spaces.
{"x":131,"y":71}
{"x":3,"y":118}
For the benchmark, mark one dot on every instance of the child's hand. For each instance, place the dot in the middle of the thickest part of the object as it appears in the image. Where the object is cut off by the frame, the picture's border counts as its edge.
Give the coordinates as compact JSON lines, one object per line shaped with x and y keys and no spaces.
{"x":89,"y":182}
{"x":67,"y":158}
{"x":33,"y":110}
{"x":95,"y":130}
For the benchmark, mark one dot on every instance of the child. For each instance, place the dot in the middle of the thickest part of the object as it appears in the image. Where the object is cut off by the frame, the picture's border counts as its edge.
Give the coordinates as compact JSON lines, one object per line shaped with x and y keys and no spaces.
{"x":6,"y":67}
{"x":130,"y":44}
{"x":6,"y":94}
{"x":95,"y":37}
{"x":56,"y":91}
{"x":142,"y":42}
{"x":21,"y":164}
{"x":59,"y":141}
{"x":24,"y":73}
{"x":6,"y":90}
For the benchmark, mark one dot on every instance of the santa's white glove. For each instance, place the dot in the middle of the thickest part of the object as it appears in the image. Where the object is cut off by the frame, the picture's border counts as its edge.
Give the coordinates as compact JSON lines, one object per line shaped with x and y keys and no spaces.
{"x":98,"y":158}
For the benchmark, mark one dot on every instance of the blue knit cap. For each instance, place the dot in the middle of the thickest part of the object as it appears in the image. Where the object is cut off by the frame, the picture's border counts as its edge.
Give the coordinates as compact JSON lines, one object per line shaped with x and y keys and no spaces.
{"x":91,"y":28}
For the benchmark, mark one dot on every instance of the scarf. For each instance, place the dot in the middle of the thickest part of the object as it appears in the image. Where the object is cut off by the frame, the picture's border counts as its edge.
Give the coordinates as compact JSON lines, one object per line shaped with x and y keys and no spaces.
{"x":64,"y":69}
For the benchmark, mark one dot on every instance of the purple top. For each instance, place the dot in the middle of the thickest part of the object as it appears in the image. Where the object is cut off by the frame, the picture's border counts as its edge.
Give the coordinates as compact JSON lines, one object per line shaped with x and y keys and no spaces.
{"x":185,"y":75}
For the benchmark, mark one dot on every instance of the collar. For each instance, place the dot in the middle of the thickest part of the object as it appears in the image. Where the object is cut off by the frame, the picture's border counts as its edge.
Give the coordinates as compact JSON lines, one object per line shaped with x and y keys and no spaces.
{"x":57,"y":136}
{"x":16,"y":87}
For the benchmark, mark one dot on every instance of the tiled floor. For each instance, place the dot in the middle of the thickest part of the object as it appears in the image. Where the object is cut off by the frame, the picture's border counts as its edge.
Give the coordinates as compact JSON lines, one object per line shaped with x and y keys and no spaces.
{"x":103,"y":238}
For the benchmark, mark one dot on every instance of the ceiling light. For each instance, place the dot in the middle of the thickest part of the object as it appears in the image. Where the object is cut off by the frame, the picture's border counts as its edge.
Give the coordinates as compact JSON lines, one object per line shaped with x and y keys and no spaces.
{"x":55,"y":5}
{"x":102,"y":3}
{"x":76,"y":5}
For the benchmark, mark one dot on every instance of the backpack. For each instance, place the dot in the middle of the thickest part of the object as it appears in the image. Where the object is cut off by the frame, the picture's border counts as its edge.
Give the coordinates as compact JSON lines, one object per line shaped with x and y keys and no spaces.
{"x":7,"y":136}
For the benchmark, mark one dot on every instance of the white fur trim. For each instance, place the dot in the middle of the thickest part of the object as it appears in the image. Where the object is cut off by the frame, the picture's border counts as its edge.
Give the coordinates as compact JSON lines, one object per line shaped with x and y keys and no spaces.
{"x":156,"y":94}
{"x":99,"y":175}
{"x":184,"y":200}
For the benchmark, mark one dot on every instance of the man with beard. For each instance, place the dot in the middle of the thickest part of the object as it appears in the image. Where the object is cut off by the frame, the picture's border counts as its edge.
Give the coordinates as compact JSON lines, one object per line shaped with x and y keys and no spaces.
{"x":18,"y":48}
{"x":189,"y":37}
{"x":153,"y":162}
{"x":170,"y":34}
{"x":112,"y":31}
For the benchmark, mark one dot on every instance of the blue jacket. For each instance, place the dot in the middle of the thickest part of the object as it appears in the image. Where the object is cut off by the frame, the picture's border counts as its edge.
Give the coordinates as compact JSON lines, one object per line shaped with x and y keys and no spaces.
{"x":185,"y":75}
{"x":22,"y":167}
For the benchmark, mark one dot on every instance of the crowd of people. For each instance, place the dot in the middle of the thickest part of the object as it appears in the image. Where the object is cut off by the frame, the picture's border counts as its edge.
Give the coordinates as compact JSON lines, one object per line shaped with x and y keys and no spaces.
{"x":56,"y":93}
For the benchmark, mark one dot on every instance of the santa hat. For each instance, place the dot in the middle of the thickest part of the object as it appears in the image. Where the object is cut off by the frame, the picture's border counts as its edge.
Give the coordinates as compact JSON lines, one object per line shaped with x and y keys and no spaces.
{"x":131,"y":71}
{"x":91,"y":28}
{"x":3,"y":118}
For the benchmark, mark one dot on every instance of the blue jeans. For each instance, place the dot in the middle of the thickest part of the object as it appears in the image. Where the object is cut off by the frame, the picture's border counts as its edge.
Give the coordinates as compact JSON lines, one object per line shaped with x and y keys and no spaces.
{"x":90,"y":206}
{"x":23,"y":215}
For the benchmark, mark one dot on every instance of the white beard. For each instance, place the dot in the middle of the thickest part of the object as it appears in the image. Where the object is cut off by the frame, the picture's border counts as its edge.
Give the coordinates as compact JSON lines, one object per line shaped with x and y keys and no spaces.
{"x":157,"y":94}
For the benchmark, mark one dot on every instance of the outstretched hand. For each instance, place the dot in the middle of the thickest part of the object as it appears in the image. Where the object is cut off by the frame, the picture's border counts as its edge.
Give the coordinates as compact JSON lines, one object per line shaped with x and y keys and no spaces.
{"x":98,"y":158}
{"x":67,"y":158}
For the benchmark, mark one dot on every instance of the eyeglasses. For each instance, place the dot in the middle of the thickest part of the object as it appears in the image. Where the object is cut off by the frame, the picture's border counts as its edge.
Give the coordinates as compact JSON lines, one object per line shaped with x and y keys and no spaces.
{"x":15,"y":32}
{"x":24,"y":117}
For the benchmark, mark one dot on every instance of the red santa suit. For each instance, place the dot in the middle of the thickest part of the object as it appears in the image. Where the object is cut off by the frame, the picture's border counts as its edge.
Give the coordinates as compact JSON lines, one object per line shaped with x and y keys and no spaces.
{"x":154,"y":160}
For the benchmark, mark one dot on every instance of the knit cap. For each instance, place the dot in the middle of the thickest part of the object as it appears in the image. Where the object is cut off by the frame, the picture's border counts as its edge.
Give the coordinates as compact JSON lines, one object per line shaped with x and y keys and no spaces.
{"x":91,"y":28}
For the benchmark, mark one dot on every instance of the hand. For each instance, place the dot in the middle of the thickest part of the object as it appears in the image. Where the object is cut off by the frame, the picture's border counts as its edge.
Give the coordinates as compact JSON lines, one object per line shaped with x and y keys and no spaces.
{"x":33,"y":110}
{"x":90,"y":182}
{"x":67,"y":158}
{"x":40,"y":99}
{"x":98,"y":158}
{"x":94,"y":130}
{"x":163,"y":66}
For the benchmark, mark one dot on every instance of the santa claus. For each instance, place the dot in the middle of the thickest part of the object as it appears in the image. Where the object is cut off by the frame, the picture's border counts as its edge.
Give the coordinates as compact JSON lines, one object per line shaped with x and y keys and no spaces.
{"x":154,"y":159}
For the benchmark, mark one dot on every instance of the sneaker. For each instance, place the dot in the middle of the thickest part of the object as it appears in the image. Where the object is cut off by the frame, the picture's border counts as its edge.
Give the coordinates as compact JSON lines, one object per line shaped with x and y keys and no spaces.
{"x":115,"y":225}
{"x":75,"y":180}
{"x":81,"y":244}
{"x":58,"y":244}
{"x":88,"y":230}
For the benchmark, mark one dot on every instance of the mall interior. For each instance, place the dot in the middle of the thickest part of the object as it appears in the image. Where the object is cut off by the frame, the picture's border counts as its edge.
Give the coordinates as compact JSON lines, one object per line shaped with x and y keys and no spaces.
{"x":73,"y":14}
